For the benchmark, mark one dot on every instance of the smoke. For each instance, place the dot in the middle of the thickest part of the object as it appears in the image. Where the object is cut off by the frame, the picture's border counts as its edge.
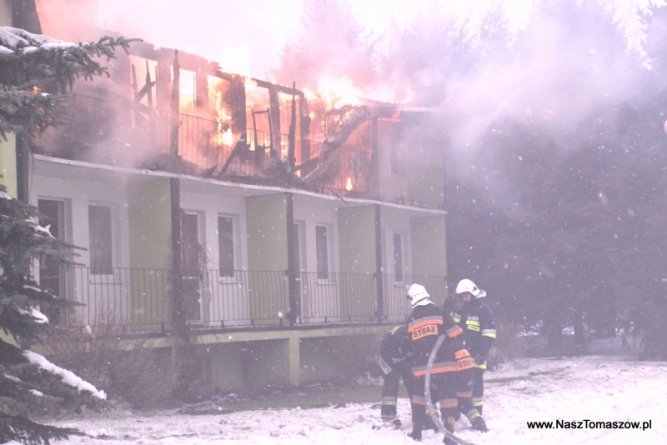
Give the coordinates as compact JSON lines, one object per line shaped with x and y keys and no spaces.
{"x":548,"y":64}
{"x":543,"y":62}
{"x":243,"y":37}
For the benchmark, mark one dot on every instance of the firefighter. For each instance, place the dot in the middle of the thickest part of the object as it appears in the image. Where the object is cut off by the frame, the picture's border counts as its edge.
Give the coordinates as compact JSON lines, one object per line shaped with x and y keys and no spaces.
{"x":450,"y":370}
{"x":394,"y":362}
{"x":479,"y":333}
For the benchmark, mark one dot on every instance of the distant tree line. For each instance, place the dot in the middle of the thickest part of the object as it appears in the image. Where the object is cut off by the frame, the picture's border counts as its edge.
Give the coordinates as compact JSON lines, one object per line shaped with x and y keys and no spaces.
{"x":569,"y":230}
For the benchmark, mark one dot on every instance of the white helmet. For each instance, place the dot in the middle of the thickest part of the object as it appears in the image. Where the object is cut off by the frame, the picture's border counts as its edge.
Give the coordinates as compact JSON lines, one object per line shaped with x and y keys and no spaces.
{"x":417,"y":295}
{"x":467,"y":286}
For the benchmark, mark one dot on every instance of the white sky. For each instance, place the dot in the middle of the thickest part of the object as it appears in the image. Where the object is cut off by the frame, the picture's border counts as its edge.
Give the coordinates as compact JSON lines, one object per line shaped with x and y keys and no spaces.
{"x":249,"y":36}
{"x":595,"y":388}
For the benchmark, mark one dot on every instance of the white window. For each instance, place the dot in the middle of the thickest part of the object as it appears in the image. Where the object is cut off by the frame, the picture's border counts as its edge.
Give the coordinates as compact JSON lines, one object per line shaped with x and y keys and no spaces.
{"x":101,"y":243}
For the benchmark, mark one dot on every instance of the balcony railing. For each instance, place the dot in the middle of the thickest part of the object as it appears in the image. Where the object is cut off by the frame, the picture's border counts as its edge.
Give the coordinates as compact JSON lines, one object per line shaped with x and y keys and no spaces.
{"x":135,"y":299}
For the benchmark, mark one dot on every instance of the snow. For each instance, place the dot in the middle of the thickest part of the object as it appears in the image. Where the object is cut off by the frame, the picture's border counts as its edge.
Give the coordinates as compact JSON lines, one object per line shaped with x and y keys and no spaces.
{"x":45,"y":231}
{"x":39,"y":317}
{"x":19,"y":40}
{"x":68,"y":377}
{"x":585,"y":389}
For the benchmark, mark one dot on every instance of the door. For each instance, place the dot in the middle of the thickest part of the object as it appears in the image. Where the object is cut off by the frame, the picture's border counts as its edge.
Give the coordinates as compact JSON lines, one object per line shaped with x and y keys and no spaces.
{"x":51,"y":275}
{"x":300,"y":261}
{"x":191,"y":253}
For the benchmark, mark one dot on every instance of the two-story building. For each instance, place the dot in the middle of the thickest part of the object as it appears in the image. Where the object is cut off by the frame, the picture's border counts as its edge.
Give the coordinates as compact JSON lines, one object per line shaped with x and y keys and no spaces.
{"x":286,"y":228}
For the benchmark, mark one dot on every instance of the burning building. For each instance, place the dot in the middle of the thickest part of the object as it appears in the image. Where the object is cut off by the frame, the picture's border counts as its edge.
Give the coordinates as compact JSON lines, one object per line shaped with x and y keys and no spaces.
{"x":274,"y":208}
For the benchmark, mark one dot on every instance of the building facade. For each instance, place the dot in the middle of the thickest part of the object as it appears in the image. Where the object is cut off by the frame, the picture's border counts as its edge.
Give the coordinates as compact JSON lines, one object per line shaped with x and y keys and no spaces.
{"x":268,"y":223}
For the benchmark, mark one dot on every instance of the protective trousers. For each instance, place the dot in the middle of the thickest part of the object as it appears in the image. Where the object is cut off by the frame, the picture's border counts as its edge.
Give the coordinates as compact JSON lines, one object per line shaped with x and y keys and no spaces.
{"x":478,"y":389}
{"x":464,"y":382}
{"x":442,"y":391}
{"x":390,"y":388}
{"x":389,"y":395}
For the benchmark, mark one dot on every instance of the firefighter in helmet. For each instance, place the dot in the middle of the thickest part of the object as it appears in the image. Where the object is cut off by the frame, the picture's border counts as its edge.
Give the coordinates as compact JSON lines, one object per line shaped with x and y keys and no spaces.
{"x":479,"y":332}
{"x":426,"y":323}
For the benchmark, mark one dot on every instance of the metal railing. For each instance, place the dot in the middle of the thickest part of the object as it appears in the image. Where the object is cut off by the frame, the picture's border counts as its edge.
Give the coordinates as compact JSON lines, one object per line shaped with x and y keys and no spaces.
{"x":133,"y":299}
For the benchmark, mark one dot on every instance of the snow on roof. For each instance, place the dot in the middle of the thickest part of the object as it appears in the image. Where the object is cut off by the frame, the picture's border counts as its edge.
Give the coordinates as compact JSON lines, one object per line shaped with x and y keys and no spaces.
{"x":13,"y":40}
{"x":68,"y":377}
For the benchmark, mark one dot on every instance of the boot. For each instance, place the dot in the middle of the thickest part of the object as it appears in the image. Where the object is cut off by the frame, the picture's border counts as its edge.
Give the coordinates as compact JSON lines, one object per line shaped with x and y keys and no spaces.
{"x":416,"y":434}
{"x":391,"y":422}
{"x":450,"y":423}
{"x":429,"y":425}
{"x":418,"y":417}
{"x":478,"y":424}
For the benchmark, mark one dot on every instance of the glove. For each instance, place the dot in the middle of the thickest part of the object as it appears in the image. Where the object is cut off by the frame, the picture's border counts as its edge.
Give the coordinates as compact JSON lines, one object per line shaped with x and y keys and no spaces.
{"x":463,"y":359}
{"x":480,"y":359}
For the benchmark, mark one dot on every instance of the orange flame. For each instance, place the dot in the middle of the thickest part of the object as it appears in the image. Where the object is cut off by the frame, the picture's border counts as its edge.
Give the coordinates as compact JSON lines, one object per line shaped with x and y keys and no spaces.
{"x":348,"y":185}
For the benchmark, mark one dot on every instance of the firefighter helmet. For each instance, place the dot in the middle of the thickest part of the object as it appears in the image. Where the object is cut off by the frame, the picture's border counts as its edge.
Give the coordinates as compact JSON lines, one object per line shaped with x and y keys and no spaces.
{"x":417,"y":295}
{"x":467,"y":286}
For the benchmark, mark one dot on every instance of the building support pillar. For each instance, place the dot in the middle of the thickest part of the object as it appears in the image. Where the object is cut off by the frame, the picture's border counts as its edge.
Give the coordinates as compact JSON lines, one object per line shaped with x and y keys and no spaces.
{"x":294,"y":360}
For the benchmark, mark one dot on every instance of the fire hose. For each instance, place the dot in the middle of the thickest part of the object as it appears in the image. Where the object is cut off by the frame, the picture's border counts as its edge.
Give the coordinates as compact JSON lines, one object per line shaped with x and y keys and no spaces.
{"x":437,"y":421}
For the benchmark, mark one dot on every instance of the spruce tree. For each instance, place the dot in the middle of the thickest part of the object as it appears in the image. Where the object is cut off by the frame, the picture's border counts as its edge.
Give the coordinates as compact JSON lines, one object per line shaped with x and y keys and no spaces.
{"x":36,"y":72}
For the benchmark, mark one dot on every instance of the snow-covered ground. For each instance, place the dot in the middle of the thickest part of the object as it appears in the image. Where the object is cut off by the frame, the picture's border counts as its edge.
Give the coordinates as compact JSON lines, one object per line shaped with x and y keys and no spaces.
{"x":575,"y":390}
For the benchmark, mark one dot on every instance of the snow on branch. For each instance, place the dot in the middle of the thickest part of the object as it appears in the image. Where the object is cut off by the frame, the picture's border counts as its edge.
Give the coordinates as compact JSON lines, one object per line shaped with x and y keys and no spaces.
{"x":37,"y":315}
{"x":13,"y":40}
{"x":68,"y":377}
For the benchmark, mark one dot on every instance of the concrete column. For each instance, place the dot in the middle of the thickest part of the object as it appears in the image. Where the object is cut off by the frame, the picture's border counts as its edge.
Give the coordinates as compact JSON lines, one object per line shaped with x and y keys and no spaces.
{"x":294,"y":360}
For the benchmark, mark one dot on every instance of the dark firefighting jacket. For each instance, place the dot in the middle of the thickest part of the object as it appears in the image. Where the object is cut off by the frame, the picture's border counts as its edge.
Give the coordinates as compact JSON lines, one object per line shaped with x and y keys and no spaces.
{"x":425,"y":325}
{"x":395,"y":351}
{"x":479,"y":329}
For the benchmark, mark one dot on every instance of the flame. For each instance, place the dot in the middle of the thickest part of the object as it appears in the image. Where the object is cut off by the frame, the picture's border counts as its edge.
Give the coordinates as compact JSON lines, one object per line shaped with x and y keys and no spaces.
{"x":337,"y":92}
{"x":186,"y":85}
{"x":249,"y":83}
{"x":224,"y":137}
{"x":223,"y":133}
{"x":348,"y":184}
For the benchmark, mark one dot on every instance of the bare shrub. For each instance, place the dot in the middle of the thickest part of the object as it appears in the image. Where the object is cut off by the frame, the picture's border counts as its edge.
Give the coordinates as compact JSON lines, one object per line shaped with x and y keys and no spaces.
{"x":508,"y":344}
{"x":123,"y":366}
{"x":359,"y":353}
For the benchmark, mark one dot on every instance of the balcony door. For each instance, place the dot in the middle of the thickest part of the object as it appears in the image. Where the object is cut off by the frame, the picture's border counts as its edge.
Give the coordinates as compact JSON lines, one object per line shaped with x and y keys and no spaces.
{"x":51,"y":275}
{"x":192,"y":253}
{"x":300,"y":260}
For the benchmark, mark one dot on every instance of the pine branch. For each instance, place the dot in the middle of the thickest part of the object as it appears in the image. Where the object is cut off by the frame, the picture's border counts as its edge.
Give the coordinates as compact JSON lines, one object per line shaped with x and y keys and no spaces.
{"x":26,"y":431}
{"x":36,"y":72}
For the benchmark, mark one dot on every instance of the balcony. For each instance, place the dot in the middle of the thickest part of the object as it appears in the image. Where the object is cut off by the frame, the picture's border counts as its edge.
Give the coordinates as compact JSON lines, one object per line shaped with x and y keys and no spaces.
{"x":138,"y":300}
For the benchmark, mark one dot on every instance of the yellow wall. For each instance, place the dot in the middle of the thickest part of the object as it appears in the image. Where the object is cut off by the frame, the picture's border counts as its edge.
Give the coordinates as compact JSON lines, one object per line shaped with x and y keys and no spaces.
{"x":267,"y":256}
{"x":8,"y":164}
{"x":428,"y":246}
{"x":356,"y":232}
{"x":267,"y":232}
{"x":5,"y":12}
{"x":149,"y":216}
